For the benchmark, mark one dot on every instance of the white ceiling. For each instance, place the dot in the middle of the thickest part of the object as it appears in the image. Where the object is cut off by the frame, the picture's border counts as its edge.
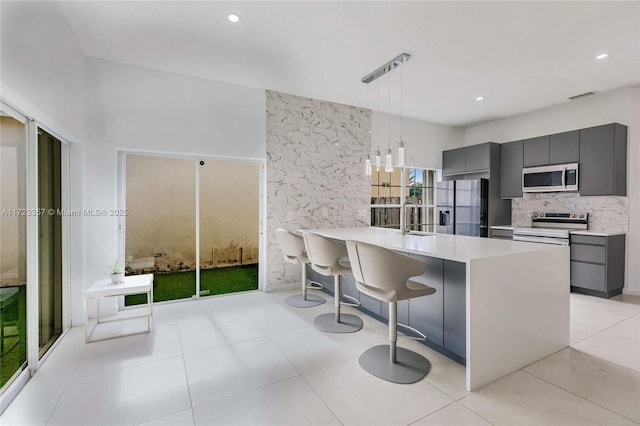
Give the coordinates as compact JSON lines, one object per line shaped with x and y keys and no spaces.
{"x":521,"y":56}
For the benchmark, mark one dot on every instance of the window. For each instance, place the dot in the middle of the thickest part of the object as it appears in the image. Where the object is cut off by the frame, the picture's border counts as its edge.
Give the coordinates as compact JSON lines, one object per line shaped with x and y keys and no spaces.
{"x":389,"y":190}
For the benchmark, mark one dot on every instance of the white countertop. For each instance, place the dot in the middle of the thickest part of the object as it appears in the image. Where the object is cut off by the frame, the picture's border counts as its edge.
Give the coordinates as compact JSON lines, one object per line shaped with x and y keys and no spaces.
{"x":574,"y":232}
{"x":596,"y":233}
{"x":451,"y":247}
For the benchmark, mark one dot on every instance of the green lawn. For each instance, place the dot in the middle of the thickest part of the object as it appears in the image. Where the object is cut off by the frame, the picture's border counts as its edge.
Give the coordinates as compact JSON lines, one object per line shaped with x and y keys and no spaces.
{"x":182,"y":285}
{"x":14,"y":323}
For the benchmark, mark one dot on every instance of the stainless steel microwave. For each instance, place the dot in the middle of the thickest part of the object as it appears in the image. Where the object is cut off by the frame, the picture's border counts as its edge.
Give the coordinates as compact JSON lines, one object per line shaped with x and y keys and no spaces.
{"x":559,"y":177}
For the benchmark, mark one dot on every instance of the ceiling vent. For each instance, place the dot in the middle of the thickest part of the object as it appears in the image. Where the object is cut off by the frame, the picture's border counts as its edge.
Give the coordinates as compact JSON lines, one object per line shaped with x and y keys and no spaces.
{"x":583,"y":95}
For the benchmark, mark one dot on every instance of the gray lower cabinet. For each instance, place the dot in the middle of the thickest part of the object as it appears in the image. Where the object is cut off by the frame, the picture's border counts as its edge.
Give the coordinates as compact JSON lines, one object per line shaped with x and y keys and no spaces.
{"x":348,"y":284}
{"x":597,"y":264}
{"x":511,"y":160}
{"x":440,"y":316}
{"x":455,"y":307}
{"x":371,"y":305}
{"x":503,"y":234}
{"x":426,"y":313}
{"x":603,"y":160}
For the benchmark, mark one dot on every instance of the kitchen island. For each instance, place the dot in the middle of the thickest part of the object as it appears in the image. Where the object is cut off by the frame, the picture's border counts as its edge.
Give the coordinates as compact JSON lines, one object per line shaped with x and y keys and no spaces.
{"x":500,"y":305}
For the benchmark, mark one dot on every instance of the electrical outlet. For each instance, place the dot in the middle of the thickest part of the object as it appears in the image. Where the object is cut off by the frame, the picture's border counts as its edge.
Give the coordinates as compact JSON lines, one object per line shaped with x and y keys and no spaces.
{"x":529,"y":213}
{"x":289,"y":216}
{"x":325,"y":212}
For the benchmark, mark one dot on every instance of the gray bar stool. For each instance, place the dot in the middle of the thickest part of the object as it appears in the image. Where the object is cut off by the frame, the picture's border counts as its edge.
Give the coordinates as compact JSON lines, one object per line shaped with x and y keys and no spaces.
{"x":385,"y":275}
{"x":292,"y":247}
{"x":329,"y":258}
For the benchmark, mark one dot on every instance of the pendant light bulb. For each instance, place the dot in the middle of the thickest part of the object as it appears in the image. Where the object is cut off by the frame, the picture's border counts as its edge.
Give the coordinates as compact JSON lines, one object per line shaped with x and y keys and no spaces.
{"x":401,"y":154}
{"x":378,"y":160}
{"x":367,"y":166}
{"x":389,"y":164}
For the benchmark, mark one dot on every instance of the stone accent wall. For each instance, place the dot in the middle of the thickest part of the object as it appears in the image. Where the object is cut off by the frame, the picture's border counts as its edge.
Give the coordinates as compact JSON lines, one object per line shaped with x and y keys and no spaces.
{"x":315,"y":171}
{"x":605,"y":213}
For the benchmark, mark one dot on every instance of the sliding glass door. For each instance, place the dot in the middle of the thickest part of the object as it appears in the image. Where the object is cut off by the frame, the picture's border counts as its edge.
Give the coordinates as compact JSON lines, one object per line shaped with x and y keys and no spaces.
{"x":49,"y":239}
{"x":193,"y":223}
{"x":13,"y":247}
{"x":229,"y":226}
{"x":160,"y":225}
{"x":33,"y":277}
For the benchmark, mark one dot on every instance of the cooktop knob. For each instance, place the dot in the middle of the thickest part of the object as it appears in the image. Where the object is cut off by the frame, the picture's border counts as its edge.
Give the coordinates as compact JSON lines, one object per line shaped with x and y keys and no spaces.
{"x":541,"y":214}
{"x":573,"y":215}
{"x":581,"y":215}
{"x":535,"y":214}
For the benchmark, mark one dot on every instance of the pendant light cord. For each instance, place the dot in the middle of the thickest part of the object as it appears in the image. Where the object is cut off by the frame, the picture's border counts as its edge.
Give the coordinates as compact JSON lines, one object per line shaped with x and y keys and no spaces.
{"x":378,"y":109}
{"x":389,"y":114}
{"x":401,"y":87}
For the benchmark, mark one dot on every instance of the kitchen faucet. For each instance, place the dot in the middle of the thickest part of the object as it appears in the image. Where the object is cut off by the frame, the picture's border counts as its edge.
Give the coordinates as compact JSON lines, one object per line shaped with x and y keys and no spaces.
{"x":403,"y":218}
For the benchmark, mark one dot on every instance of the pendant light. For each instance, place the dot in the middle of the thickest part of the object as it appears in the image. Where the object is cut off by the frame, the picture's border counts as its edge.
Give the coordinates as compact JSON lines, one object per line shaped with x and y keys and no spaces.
{"x":386,"y":68}
{"x":367,"y":165}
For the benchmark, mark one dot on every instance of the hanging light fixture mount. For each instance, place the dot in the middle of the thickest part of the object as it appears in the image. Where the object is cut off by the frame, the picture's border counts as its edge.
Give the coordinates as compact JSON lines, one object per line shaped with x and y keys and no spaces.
{"x":372,"y":76}
{"x":388,"y":67}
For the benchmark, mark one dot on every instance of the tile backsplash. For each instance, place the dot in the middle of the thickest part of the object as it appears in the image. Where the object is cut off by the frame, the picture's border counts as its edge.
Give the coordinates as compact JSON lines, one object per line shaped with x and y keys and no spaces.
{"x":608,"y":213}
{"x":315,"y":171}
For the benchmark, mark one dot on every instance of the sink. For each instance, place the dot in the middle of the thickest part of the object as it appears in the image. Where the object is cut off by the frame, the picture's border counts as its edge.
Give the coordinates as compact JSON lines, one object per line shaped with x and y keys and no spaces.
{"x":420,"y":233}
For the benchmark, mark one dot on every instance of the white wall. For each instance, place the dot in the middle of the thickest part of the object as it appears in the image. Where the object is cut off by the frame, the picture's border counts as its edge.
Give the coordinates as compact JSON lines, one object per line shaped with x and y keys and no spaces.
{"x":621,"y":106}
{"x":43,"y":74}
{"x":42,"y":67}
{"x":135,"y":108}
{"x":424,"y":141}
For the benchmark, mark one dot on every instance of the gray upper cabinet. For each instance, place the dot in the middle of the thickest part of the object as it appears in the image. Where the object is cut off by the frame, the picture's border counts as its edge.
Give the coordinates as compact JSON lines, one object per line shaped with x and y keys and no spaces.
{"x":536,"y":151}
{"x":564,"y":147}
{"x":603,"y":160}
{"x":600,"y":151}
{"x":468,"y":159}
{"x":453,"y":161}
{"x":511,"y":161}
{"x":477,"y":157}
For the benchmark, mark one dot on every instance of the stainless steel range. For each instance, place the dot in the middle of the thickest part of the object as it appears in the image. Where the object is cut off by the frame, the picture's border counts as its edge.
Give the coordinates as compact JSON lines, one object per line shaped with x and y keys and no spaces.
{"x":551,"y":227}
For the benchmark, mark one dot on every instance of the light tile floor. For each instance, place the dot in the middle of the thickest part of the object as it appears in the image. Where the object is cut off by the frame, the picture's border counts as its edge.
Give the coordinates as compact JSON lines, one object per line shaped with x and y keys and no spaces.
{"x":251,"y":359}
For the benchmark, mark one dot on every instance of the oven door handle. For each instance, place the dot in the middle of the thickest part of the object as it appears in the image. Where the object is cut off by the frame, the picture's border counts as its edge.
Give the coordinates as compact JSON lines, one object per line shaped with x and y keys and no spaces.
{"x":544,"y":240}
{"x":564,"y":173}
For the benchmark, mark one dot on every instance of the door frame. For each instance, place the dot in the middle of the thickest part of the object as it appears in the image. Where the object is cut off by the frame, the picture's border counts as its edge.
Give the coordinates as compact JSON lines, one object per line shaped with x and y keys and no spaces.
{"x":122,"y":196}
{"x":34,"y":361}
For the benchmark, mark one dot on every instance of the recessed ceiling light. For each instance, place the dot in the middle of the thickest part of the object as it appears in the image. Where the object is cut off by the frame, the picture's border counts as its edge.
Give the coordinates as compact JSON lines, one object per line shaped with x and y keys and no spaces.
{"x":233,"y":17}
{"x":602,"y":56}
{"x":480,"y":98}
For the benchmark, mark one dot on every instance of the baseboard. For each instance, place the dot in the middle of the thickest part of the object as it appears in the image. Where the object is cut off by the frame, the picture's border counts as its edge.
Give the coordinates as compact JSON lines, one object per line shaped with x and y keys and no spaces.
{"x":631,"y":292}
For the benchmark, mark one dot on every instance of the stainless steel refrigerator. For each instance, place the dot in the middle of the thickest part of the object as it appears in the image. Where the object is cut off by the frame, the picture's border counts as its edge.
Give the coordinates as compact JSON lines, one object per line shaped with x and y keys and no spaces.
{"x":462,"y":207}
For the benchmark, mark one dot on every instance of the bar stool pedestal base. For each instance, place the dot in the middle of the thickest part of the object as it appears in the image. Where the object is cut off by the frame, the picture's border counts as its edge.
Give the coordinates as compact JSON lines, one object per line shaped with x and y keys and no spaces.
{"x":298,"y":301}
{"x":409,"y":367}
{"x":348,"y":323}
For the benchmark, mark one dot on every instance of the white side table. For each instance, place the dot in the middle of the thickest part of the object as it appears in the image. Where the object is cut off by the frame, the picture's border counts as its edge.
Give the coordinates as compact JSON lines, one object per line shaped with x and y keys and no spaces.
{"x":134,"y":284}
